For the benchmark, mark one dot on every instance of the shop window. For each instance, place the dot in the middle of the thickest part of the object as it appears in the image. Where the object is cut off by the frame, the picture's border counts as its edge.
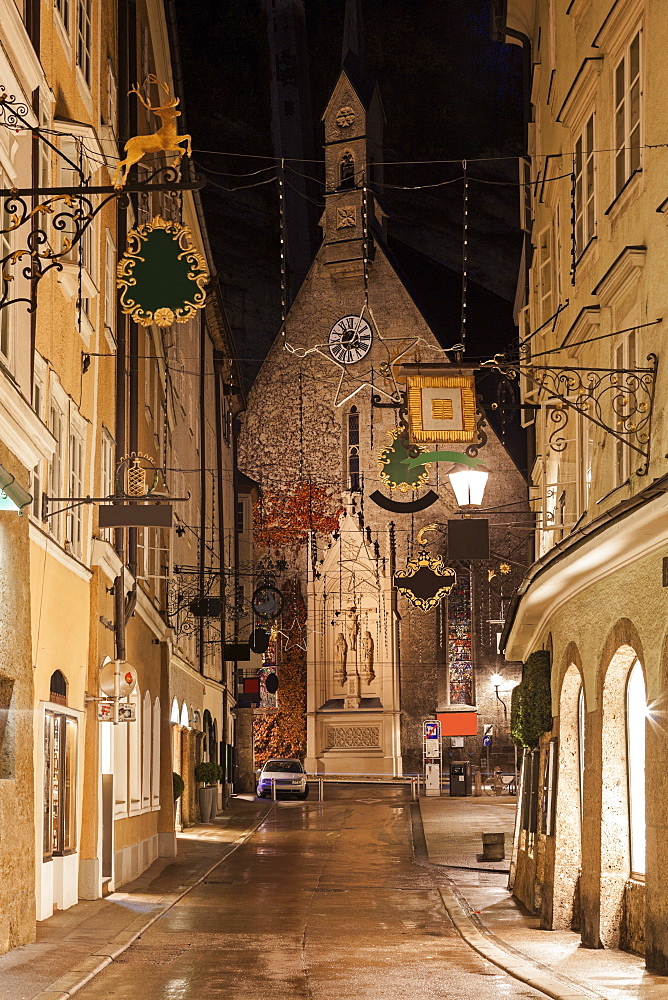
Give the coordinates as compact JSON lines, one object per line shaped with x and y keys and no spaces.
{"x":60,"y":758}
{"x":636,"y":713}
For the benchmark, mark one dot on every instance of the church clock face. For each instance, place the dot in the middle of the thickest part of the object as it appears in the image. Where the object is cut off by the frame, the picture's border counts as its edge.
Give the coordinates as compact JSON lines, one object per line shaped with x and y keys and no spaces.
{"x":350,"y":340}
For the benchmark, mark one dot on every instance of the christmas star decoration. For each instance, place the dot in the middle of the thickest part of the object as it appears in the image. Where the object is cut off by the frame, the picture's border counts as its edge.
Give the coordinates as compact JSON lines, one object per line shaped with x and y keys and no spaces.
{"x":351,"y":381}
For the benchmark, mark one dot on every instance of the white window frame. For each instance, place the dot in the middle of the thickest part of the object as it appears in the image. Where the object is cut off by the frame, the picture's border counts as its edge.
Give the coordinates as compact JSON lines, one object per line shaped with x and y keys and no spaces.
{"x":57,"y":465}
{"x":64,"y":10}
{"x":76,"y":465}
{"x":627,"y":96}
{"x":546,"y":270}
{"x":107,"y":472}
{"x":585,"y":185}
{"x":110,"y":290}
{"x":625,"y":356}
{"x":84,"y":41}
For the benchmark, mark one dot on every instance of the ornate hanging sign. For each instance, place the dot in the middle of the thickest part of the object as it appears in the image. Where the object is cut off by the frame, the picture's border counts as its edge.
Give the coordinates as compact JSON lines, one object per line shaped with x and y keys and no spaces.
{"x":394,"y":469}
{"x":441,"y":407}
{"x":426,"y":579}
{"x":162,"y":274}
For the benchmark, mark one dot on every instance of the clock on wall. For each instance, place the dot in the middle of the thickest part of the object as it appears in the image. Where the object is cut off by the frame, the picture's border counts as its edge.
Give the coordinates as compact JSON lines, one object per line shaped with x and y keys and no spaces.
{"x":350,"y":340}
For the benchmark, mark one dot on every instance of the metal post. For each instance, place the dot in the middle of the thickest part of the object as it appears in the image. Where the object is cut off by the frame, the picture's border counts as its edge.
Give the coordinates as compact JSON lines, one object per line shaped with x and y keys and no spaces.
{"x":321,"y":789}
{"x":273,"y":789}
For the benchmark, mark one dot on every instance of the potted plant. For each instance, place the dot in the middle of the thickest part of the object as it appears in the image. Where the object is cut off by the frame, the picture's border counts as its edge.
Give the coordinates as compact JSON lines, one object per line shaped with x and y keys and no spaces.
{"x":209,"y":774}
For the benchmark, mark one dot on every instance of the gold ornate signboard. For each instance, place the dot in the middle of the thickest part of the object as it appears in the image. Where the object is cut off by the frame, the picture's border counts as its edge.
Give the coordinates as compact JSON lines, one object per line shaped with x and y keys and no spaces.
{"x":161,"y":274}
{"x":441,"y":407}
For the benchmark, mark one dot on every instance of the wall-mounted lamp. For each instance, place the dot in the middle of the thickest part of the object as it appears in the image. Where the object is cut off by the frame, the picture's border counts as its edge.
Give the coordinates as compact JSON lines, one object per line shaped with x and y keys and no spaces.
{"x":468,"y":484}
{"x":496,"y":680}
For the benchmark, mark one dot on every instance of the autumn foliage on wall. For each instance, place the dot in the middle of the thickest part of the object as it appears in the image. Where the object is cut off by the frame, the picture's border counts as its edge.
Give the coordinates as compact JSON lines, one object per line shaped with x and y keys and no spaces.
{"x":284,"y":517}
{"x":283,"y":733}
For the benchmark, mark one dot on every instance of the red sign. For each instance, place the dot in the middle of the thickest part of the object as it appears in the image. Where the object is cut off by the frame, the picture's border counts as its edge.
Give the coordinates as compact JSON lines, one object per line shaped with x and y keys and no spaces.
{"x":458,"y":723}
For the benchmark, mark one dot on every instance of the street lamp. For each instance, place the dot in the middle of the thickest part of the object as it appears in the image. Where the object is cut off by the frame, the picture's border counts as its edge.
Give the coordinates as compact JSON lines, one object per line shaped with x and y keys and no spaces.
{"x":468,"y":484}
{"x":496,"y":680}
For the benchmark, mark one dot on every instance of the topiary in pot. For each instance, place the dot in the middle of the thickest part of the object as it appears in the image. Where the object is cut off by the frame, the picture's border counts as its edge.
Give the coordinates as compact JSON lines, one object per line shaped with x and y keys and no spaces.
{"x":208,"y":772}
{"x":178,"y":785}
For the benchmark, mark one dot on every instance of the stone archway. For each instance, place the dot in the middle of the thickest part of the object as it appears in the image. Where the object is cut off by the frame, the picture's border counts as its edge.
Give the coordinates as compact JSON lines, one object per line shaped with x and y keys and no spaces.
{"x":656,"y":827}
{"x":568,"y":824}
{"x":615,"y":841}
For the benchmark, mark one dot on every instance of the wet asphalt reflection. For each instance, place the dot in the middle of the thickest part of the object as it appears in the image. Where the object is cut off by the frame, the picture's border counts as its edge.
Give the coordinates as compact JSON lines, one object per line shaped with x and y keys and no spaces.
{"x":325,"y":902}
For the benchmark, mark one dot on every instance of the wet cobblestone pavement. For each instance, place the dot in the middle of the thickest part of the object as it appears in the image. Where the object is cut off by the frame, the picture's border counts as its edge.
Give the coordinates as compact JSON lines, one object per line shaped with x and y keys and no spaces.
{"x":324,"y":901}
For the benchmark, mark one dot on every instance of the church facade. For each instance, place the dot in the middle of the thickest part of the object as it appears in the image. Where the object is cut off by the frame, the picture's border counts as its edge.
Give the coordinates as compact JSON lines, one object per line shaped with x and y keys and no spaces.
{"x":327,"y":410}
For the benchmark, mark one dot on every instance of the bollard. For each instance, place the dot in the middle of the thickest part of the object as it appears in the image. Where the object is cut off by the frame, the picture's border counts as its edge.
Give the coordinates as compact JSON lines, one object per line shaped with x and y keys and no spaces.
{"x":321,"y":790}
{"x":273,"y":789}
{"x":493,"y":847}
{"x":477,"y":783}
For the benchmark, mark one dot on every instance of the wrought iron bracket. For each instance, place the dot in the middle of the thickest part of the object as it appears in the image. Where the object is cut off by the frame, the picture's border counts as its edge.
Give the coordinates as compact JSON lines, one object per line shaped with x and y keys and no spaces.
{"x":618,"y":400}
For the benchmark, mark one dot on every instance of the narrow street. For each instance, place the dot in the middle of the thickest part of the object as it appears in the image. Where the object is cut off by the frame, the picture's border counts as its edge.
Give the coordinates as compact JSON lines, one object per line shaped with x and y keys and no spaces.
{"x":324,"y":900}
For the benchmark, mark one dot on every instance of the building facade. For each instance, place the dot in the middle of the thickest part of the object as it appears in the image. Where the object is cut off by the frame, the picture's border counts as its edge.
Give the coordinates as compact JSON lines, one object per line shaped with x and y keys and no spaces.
{"x":591,"y":302}
{"x":321,"y":411}
{"x":90,"y":803}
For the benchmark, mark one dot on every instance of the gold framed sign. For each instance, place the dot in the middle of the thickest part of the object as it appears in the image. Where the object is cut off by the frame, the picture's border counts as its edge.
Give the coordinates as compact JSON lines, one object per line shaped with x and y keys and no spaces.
{"x":441,"y":407}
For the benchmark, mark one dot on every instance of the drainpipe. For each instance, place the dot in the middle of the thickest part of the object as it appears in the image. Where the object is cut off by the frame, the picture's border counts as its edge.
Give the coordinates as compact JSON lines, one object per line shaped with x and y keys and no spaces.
{"x":202,"y":476}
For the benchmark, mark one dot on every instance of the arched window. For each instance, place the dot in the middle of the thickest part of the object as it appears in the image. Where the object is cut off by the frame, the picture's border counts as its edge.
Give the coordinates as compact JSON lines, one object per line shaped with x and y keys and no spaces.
{"x":134,"y":753}
{"x":353,"y":450}
{"x":347,"y":171}
{"x":174,"y":714}
{"x":206,"y":742}
{"x":185,"y":719}
{"x":58,"y":688}
{"x":636,"y":713}
{"x":146,"y":752}
{"x":155,"y":779}
{"x":581,"y":746}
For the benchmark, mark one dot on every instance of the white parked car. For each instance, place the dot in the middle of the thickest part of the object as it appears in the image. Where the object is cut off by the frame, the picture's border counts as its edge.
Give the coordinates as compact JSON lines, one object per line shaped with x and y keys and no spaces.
{"x":288,"y":774}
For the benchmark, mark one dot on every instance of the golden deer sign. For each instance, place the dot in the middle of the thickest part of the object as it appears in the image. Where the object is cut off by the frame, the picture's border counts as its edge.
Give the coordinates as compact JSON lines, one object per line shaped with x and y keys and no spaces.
{"x":166,"y":139}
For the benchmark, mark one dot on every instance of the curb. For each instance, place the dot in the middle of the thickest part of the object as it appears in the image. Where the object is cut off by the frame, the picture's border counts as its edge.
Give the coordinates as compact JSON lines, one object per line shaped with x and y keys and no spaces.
{"x":515,"y":966}
{"x":482,"y":941}
{"x":78,"y":977}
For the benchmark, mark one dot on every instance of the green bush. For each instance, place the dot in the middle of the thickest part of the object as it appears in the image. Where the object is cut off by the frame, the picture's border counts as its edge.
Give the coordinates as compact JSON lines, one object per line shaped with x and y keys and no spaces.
{"x":178,"y":785}
{"x":208,"y":772}
{"x":531,"y":702}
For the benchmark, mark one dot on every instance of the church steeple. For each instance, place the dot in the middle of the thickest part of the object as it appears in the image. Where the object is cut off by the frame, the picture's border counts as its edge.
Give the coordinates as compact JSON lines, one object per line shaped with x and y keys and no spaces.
{"x":353,"y":32}
{"x":353,"y":135}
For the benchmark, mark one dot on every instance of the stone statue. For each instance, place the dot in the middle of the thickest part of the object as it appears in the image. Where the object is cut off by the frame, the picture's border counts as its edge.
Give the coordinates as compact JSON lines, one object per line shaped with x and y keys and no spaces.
{"x":353,"y":628}
{"x":367,"y":655}
{"x":341,"y":647}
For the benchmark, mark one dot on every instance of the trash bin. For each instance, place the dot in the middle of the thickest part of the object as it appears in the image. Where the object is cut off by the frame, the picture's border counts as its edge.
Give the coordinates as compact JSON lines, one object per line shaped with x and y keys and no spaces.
{"x":460,"y":777}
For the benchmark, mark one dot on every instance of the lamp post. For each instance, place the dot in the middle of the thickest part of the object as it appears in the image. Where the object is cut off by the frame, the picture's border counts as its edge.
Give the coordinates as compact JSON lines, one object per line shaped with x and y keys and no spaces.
{"x":468,"y":484}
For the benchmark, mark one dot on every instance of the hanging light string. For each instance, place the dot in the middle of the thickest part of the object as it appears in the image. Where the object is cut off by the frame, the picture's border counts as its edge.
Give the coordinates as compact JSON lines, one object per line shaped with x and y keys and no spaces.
{"x":284,"y":283}
{"x":465,"y":255}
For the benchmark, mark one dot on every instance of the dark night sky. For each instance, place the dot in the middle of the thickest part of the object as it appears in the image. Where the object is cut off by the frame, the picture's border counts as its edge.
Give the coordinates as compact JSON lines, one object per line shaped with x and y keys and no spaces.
{"x":448,"y":92}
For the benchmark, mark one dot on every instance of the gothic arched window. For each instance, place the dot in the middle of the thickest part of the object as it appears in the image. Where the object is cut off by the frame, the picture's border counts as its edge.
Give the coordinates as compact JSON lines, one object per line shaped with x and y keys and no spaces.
{"x":347,"y":171}
{"x":353,"y":448}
